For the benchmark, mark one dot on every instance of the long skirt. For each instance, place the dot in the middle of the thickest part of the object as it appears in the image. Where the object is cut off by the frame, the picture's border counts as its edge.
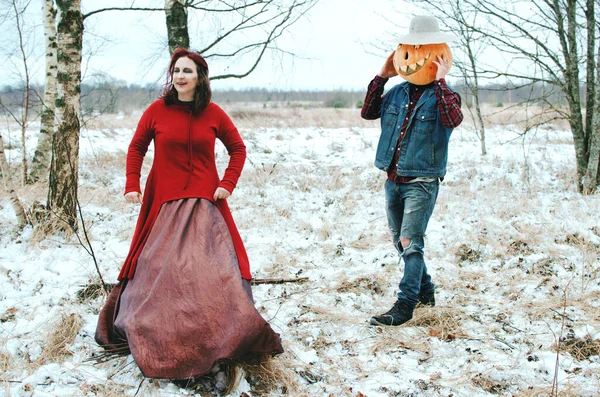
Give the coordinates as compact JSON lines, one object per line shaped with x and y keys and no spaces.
{"x":187,"y":306}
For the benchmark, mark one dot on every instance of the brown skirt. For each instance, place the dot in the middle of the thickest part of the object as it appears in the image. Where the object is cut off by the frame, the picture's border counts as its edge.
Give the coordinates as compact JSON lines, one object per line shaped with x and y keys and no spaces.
{"x":187,"y":306}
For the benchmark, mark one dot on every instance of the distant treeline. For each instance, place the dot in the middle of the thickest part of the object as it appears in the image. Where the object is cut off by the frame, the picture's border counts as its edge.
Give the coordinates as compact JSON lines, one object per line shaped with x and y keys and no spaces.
{"x":113,"y":97}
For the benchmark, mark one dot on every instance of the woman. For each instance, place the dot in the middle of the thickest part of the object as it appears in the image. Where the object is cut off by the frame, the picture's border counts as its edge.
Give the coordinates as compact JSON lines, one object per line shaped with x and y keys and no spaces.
{"x":184,"y":300}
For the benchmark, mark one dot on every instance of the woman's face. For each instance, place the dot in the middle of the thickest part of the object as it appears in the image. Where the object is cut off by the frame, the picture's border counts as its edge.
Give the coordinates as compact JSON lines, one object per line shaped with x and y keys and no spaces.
{"x":185,"y":78}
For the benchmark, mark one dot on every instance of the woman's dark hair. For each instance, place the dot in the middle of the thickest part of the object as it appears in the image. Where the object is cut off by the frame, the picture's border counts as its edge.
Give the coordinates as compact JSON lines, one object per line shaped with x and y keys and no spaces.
{"x":203,"y":94}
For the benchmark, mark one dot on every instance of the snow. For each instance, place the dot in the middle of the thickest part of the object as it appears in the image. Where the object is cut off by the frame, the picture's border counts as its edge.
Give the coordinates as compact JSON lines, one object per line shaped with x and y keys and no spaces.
{"x":310,"y":204}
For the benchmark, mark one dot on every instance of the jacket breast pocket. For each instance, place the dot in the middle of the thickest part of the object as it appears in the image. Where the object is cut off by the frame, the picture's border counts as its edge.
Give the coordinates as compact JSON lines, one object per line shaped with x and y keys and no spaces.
{"x":390,"y":116}
{"x":424,"y":122}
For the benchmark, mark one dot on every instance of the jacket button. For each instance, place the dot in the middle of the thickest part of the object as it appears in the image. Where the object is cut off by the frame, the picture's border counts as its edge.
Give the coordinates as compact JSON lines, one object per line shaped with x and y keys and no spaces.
{"x":422,"y":117}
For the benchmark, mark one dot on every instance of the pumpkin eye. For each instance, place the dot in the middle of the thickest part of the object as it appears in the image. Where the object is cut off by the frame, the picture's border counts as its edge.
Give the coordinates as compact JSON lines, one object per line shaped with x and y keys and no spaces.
{"x":417,"y":46}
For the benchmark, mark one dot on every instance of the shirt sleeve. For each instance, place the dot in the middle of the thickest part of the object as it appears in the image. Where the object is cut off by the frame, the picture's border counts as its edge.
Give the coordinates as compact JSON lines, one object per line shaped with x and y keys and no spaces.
{"x":138,"y":147}
{"x":448,"y":104}
{"x":371,"y":109}
{"x":231,"y":138}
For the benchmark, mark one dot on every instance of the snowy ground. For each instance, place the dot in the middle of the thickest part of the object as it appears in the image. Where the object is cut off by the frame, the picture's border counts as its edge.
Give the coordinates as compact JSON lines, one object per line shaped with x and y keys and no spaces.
{"x":513,"y":248}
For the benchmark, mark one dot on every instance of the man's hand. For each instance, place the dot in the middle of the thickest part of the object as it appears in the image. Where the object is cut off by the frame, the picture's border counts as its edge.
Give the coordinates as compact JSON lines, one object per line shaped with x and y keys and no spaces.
{"x":443,"y":67}
{"x":388,"y":69}
{"x":221,"y":193}
{"x":134,"y":197}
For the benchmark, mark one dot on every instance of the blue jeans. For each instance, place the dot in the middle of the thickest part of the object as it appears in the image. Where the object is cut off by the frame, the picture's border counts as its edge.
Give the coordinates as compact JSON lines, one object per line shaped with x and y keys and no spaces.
{"x":409,"y":207}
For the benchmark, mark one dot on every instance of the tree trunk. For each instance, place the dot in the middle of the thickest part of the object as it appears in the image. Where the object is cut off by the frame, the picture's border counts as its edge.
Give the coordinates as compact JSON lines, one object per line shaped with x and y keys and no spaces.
{"x":41,"y":158}
{"x":590,"y":68}
{"x":63,"y":179}
{"x":177,"y":25}
{"x":568,"y":39}
{"x":591,"y":181}
{"x":9,"y":188}
{"x":475,"y":91}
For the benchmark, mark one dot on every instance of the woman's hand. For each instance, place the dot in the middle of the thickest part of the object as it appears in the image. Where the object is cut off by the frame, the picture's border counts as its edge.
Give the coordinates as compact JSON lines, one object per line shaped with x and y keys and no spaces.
{"x":133,"y":197}
{"x":443,"y":67}
{"x":388,"y":70}
{"x":221,"y":193}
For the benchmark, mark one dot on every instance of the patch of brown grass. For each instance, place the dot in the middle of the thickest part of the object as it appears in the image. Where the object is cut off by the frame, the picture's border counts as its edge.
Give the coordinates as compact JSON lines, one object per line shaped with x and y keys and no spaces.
{"x":5,"y":360}
{"x":391,"y":340}
{"x":93,"y":291}
{"x":276,"y":374}
{"x":60,"y":337}
{"x":443,"y":323}
{"x":580,"y":348}
{"x":493,"y":386}
{"x":519,"y":247}
{"x":360,"y":285}
{"x":564,"y":390}
{"x":105,"y":389}
{"x":468,"y":254}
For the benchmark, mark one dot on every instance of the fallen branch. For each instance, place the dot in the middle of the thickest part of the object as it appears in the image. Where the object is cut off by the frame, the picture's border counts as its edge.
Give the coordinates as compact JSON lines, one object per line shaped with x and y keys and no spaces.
{"x":256,"y":281}
{"x":91,"y":290}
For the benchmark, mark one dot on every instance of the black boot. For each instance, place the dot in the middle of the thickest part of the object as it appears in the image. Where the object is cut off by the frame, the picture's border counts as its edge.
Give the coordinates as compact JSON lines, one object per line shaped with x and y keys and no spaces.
{"x":397,"y":315}
{"x":427,"y":299}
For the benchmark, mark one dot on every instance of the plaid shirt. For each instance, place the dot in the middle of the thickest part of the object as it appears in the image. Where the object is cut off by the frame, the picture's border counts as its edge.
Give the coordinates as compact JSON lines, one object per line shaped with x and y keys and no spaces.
{"x":448,"y":105}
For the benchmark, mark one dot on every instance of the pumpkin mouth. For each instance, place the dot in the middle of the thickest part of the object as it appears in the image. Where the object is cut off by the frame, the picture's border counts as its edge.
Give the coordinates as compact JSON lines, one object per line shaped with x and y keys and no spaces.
{"x":407,"y":70}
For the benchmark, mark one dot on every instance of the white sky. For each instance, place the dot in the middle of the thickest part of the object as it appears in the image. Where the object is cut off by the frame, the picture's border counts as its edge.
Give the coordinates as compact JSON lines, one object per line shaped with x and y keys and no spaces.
{"x":327,"y":42}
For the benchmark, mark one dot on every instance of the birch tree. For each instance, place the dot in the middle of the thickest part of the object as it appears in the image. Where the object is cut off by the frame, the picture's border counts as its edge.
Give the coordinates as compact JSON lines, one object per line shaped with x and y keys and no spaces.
{"x":41,"y":158}
{"x":63,"y":178}
{"x":177,"y":24}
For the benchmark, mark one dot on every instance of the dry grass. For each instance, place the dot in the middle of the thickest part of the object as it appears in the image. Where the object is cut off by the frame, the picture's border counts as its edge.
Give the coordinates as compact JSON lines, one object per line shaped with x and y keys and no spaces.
{"x":580,"y":348}
{"x":522,"y":116}
{"x":5,"y":358}
{"x":444,"y":323}
{"x":490,"y":385}
{"x":106,"y":389}
{"x":276,"y":374}
{"x":393,"y":340}
{"x":60,"y":337}
{"x":564,"y":390}
{"x":468,"y":254}
{"x":94,"y":290}
{"x":373,"y":284}
{"x":247,"y":116}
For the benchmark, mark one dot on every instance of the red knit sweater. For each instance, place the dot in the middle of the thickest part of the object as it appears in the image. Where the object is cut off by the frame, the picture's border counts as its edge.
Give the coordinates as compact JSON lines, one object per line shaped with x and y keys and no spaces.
{"x":184,"y":167}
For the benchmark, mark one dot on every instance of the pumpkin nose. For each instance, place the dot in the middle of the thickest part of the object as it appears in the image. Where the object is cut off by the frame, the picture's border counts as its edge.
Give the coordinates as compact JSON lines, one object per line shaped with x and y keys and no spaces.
{"x":406,"y":55}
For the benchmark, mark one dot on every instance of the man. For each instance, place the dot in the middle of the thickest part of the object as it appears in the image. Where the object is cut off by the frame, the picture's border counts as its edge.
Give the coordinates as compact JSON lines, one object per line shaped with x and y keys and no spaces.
{"x":416,"y":123}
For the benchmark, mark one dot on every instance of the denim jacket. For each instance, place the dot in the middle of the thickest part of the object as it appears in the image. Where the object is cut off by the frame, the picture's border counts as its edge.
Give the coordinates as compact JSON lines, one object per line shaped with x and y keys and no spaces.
{"x":424,"y":148}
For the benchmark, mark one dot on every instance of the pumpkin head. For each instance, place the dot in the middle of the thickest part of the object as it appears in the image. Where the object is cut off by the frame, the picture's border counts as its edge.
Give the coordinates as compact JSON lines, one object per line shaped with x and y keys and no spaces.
{"x":415,"y":64}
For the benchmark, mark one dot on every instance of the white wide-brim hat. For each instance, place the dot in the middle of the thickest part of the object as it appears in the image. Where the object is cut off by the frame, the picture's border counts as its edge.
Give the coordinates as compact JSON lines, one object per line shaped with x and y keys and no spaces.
{"x":424,"y":29}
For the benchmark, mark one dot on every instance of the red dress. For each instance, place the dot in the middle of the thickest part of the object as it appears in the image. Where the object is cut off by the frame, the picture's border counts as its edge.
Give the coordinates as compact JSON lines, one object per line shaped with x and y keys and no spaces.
{"x":184,"y":301}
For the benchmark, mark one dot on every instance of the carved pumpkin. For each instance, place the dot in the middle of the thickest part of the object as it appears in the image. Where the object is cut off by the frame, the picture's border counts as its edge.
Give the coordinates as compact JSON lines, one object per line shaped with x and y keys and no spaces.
{"x":415,"y":64}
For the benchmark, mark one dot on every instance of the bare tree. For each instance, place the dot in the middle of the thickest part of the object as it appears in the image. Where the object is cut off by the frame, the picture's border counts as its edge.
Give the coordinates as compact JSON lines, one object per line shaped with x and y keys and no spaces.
{"x":21,"y":112}
{"x":243,"y":31}
{"x":240,"y":31}
{"x":592,"y":177}
{"x":63,"y":179}
{"x":41,"y":158}
{"x":459,"y":18}
{"x":543,"y":42}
